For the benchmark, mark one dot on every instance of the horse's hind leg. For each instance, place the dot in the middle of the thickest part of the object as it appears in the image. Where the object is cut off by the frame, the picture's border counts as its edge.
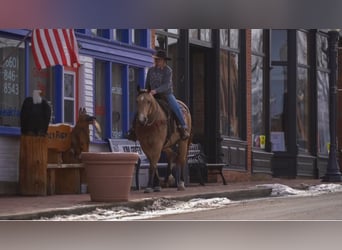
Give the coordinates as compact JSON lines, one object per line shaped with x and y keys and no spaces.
{"x":181,"y":163}
{"x":171,"y":155}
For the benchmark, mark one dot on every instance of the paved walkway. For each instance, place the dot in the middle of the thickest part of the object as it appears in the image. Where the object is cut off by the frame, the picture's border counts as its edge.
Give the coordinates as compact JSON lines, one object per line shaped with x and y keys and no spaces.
{"x":28,"y":208}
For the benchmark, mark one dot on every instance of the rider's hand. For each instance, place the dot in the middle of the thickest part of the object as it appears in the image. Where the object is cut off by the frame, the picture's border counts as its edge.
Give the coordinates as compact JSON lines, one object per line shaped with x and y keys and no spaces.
{"x":153,"y":92}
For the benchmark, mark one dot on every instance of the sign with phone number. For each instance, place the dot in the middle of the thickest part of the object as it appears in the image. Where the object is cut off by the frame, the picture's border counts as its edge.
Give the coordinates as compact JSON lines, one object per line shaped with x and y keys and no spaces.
{"x":10,"y":77}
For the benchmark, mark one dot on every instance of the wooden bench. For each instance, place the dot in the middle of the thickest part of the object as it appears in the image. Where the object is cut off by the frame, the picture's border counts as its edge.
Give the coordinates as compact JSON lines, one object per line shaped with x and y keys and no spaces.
{"x":124,"y":145}
{"x":62,"y":178}
{"x":198,"y":160}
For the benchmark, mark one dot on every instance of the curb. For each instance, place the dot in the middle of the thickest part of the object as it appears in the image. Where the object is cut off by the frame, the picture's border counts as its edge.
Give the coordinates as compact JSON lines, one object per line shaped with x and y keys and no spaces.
{"x":139,"y":204}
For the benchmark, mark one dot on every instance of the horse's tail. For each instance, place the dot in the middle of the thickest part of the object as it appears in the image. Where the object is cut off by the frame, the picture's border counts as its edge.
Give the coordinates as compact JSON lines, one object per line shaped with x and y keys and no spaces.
{"x":190,"y":139}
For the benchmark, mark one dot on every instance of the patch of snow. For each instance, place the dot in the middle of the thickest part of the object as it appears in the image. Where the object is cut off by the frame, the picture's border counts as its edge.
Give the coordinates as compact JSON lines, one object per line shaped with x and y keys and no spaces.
{"x":281,"y":190}
{"x":158,"y":208}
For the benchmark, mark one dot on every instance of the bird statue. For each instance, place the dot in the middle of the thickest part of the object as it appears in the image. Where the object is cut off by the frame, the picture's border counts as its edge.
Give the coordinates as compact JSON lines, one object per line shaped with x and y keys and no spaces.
{"x":35,"y":115}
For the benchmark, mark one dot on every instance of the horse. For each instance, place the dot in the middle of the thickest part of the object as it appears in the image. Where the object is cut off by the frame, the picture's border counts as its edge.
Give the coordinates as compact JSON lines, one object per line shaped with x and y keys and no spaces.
{"x":80,"y":137}
{"x":157,"y":133}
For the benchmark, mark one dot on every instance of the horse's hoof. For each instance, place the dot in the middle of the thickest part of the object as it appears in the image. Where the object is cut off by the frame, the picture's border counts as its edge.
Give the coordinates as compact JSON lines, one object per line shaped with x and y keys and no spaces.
{"x":181,"y":186}
{"x":157,"y":189}
{"x":148,"y":190}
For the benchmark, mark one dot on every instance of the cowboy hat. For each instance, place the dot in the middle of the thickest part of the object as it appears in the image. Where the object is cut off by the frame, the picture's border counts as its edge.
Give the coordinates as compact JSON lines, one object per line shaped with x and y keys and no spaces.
{"x":162,"y":55}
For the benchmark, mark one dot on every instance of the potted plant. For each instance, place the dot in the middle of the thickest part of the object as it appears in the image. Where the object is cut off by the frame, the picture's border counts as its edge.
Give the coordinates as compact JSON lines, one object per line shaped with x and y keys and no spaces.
{"x":109,"y":174}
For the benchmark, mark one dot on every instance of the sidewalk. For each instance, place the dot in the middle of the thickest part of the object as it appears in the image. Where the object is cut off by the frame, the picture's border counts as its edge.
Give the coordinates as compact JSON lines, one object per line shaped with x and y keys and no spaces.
{"x":30,"y":208}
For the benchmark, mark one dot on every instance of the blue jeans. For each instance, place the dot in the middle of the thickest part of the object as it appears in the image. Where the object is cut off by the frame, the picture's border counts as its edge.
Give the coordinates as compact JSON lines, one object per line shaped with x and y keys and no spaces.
{"x":171,"y":99}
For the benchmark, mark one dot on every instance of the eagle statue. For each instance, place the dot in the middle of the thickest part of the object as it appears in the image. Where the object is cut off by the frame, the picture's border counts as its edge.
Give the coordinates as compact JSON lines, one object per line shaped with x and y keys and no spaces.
{"x":35,"y":115}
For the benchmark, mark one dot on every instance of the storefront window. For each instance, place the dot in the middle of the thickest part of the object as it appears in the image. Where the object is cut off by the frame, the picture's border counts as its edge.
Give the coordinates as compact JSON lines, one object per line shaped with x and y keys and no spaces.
{"x":100,"y":91}
{"x":205,"y":35}
{"x":193,"y":33}
{"x":258,"y":112}
{"x":278,"y":90}
{"x":278,"y":104}
{"x":322,"y":95}
{"x":229,"y":38}
{"x":200,"y":34}
{"x":229,"y":91}
{"x":303,"y":100}
{"x":322,"y":49}
{"x":137,"y":36}
{"x":303,"y":112}
{"x":12,"y":83}
{"x":133,"y":83}
{"x":118,"y":35}
{"x":116,"y":101}
{"x":279,"y":45}
{"x":69,"y":98}
{"x":234,"y":38}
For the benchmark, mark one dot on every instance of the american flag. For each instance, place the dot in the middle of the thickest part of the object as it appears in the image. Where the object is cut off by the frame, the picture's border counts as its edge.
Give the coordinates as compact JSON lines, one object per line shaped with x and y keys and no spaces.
{"x":54,"y":47}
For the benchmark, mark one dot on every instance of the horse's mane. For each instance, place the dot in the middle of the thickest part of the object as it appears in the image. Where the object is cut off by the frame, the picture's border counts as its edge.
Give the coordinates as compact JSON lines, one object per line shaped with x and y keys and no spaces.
{"x":142,"y":91}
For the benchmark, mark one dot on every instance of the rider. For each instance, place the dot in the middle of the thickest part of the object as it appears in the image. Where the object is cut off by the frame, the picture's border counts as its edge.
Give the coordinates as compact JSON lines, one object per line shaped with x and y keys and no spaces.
{"x":159,"y":80}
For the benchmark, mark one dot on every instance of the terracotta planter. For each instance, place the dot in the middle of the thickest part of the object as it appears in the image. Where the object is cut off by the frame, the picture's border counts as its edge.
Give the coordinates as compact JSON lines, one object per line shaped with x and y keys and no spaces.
{"x":109,"y":175}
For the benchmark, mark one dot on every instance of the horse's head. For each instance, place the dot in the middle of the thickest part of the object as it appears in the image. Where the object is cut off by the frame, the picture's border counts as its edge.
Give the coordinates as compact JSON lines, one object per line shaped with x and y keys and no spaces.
{"x":146,"y":104}
{"x":83,"y":117}
{"x":84,"y":120}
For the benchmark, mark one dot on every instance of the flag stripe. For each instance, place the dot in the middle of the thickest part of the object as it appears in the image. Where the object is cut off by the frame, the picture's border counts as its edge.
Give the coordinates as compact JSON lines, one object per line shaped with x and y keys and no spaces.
{"x":54,"y":47}
{"x":51,"y":44}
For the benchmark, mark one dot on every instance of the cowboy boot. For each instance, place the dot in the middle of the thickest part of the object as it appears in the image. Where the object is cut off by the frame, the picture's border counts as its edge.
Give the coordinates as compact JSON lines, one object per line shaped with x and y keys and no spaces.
{"x":184,"y":133}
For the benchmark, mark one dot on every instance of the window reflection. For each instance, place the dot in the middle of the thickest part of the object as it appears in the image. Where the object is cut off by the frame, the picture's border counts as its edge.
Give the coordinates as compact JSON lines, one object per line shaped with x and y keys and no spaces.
{"x":258,"y":113}
{"x":303,"y":112}
{"x":257,"y":40}
{"x":258,"y":128}
{"x":224,"y":37}
{"x":322,"y":94}
{"x":234,"y":38}
{"x":278,"y":104}
{"x":279,"y":45}
{"x":302,"y":93}
{"x":116,"y":100}
{"x":11,"y":81}
{"x":100,"y":92}
{"x":229,"y":38}
{"x":229,"y":91}
{"x":278,"y":90}
{"x":322,"y":51}
{"x":323,"y":111}
{"x":302,"y":48}
{"x":193,"y":33}
{"x":200,"y":34}
{"x":205,"y":35}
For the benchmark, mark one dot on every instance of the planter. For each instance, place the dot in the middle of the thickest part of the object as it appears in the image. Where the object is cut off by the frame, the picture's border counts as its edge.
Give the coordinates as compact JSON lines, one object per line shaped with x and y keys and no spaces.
{"x":109,"y":175}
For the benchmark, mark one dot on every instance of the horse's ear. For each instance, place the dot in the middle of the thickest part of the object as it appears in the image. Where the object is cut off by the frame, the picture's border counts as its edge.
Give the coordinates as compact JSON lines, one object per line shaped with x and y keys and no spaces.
{"x":149,"y":88}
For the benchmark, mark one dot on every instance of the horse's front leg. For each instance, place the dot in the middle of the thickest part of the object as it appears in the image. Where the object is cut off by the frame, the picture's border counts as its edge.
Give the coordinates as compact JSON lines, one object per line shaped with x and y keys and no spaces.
{"x":153,"y":180}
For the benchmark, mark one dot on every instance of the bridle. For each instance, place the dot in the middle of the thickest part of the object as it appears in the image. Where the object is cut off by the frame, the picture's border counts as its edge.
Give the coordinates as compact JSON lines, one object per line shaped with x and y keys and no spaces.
{"x":153,"y":113}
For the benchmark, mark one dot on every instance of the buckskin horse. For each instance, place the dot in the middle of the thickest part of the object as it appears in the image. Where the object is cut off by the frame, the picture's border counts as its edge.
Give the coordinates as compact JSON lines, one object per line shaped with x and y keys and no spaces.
{"x":157,"y":132}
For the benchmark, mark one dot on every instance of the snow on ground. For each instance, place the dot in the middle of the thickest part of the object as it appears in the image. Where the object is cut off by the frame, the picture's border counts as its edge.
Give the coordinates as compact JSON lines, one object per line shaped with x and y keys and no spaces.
{"x":283,"y":190}
{"x":166,"y":206}
{"x":158,"y":208}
